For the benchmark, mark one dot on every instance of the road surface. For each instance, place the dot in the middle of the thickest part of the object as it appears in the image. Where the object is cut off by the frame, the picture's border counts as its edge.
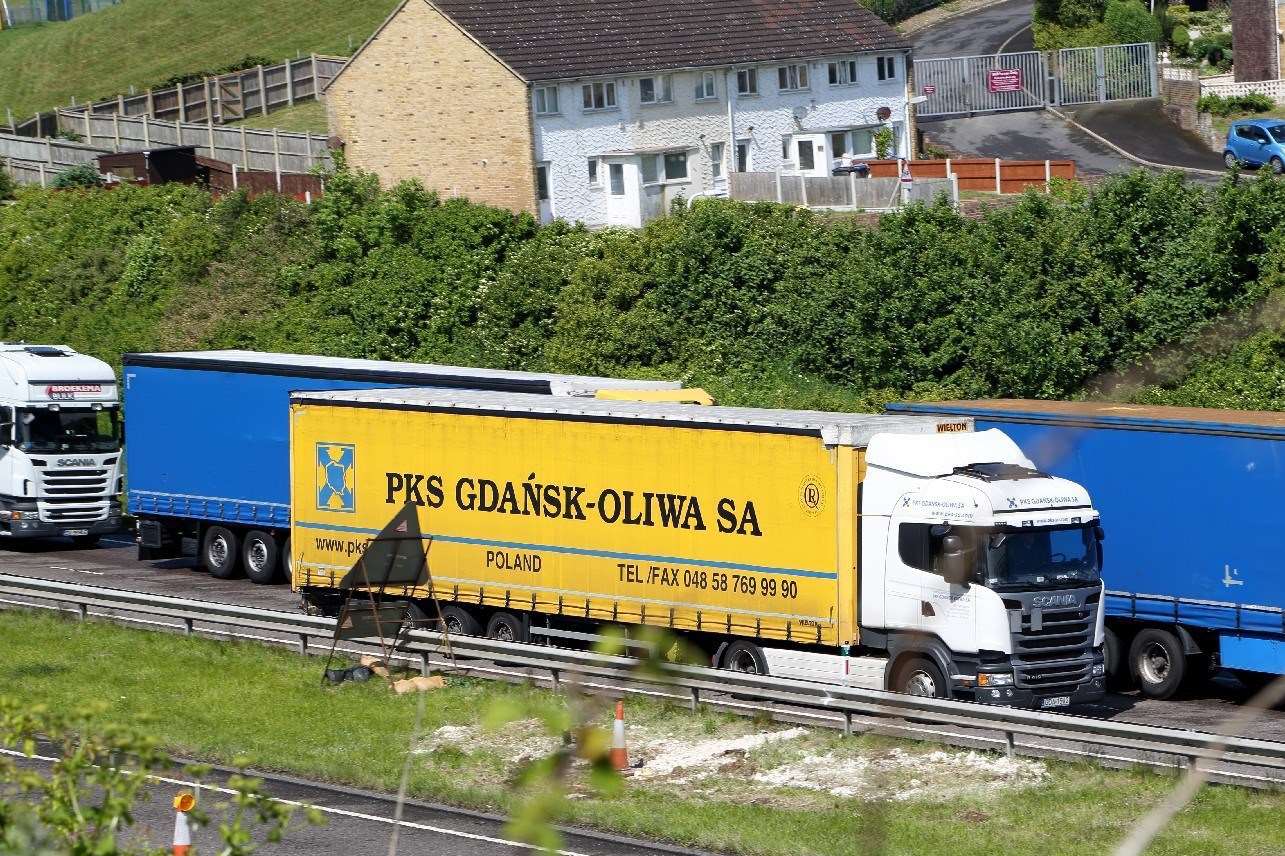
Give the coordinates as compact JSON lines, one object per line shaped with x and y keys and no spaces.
{"x":1139,"y":127}
{"x":113,"y":565}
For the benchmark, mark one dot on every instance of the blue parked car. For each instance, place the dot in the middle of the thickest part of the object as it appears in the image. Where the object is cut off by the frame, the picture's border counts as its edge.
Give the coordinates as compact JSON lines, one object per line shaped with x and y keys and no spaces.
{"x":1256,"y":142}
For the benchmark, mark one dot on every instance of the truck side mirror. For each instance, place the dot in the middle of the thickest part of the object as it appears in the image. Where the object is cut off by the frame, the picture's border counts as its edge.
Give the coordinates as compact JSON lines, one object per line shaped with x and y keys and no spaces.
{"x":954,"y":561}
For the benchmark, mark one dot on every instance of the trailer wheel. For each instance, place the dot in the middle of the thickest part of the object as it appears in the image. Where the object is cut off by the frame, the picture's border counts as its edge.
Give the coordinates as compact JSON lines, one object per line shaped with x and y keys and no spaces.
{"x":459,"y":621}
{"x":506,"y":627}
{"x":220,"y":552}
{"x":745,"y":657}
{"x":287,"y":562}
{"x":1157,"y":661}
{"x":260,"y":556}
{"x":919,"y":676}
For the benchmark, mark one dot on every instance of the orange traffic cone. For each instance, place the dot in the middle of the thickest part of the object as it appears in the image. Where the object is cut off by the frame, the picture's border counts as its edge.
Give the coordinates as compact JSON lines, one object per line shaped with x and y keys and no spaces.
{"x":619,"y":754}
{"x":183,"y":803}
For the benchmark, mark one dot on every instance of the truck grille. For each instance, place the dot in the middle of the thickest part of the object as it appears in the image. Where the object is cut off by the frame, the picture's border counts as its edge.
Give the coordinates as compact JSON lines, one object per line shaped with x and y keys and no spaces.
{"x":74,"y":495}
{"x":1054,"y":653}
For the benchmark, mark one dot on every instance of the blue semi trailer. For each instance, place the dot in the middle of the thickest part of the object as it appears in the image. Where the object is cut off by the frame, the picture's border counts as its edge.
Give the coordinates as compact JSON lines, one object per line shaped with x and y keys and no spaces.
{"x":1194,"y":569}
{"x":207,"y":452}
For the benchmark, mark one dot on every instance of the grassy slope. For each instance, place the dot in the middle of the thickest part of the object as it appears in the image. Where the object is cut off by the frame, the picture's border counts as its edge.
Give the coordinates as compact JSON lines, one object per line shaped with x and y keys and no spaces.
{"x":220,"y":700}
{"x":304,"y":116}
{"x":145,"y":41}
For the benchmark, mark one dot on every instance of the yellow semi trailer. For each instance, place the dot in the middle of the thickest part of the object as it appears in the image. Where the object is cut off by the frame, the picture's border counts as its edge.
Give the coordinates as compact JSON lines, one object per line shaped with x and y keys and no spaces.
{"x":845,"y":546}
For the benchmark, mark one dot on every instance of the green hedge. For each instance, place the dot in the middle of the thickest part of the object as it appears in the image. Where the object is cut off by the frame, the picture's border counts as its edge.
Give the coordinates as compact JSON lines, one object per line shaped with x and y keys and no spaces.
{"x":761,"y":303}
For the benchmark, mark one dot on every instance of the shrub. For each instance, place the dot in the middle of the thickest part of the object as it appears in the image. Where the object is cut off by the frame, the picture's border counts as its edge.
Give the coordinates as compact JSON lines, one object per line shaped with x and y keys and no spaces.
{"x":1219,"y":105}
{"x":1179,"y":13}
{"x":1078,"y":13}
{"x":1181,"y":40}
{"x":81,"y":175}
{"x":7,"y":184}
{"x":1130,"y":22}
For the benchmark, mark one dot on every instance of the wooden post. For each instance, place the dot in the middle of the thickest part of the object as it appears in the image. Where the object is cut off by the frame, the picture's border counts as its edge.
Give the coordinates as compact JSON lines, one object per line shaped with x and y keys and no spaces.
{"x":49,"y":151}
{"x":245,"y":150}
{"x":116,"y":129}
{"x":999,"y":185}
{"x":316,"y":81}
{"x":41,"y":167}
{"x":1048,"y":177}
{"x":308,"y":141}
{"x":210,"y":132}
{"x":803,"y":188}
{"x":151,"y":103}
{"x":948,"y":167}
{"x":120,"y":103}
{"x":89,"y":126}
{"x":182,"y":103}
{"x":9,"y":115}
{"x":289,"y":83}
{"x":276,"y":157}
{"x":147,"y":131}
{"x":263,"y":92}
{"x":209,"y":102}
{"x":234,"y":177}
{"x":779,"y":196}
{"x":852,"y":189}
{"x":178,"y":132}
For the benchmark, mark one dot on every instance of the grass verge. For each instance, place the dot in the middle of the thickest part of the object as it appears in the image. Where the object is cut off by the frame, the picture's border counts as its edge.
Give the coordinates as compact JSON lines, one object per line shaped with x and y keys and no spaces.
{"x":221,"y":700}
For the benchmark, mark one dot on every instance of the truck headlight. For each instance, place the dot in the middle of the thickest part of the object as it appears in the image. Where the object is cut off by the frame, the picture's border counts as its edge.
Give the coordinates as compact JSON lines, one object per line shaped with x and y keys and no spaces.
{"x":1099,"y":669}
{"x":994,"y":679}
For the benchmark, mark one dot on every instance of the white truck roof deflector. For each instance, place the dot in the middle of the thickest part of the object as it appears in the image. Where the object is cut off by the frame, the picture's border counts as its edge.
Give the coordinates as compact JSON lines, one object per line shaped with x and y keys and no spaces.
{"x":930,"y":456}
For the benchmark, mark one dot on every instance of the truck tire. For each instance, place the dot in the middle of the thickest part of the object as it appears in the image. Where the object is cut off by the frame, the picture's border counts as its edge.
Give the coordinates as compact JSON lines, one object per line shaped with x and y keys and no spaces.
{"x":220,"y":552}
{"x":1113,"y":657}
{"x":459,"y":621}
{"x":287,"y":562}
{"x":1157,"y":662}
{"x":745,"y":657}
{"x":260,"y":556}
{"x":506,"y":627}
{"x":919,"y":676}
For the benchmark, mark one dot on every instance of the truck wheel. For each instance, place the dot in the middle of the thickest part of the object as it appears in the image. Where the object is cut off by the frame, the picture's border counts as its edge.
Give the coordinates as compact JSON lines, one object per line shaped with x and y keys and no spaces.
{"x":260,"y":556}
{"x":745,"y":657}
{"x":1113,"y":658}
{"x":918,"y":676}
{"x":287,"y":562}
{"x":1157,"y":661}
{"x":220,"y":552}
{"x":506,"y":627}
{"x":460,"y":622}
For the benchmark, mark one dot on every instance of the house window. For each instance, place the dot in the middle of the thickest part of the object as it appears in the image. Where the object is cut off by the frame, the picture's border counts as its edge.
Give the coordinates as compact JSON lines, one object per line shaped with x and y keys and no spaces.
{"x":656,"y":90}
{"x":542,"y":182}
{"x":675,"y":166}
{"x":843,"y":73}
{"x":742,"y":155}
{"x":857,"y":143}
{"x":546,"y":100}
{"x":887,"y":67}
{"x":616,"y":175}
{"x":716,"y":160}
{"x":705,"y":86}
{"x":599,"y":96}
{"x":792,"y":77}
{"x":593,"y":171}
{"x":651,"y":169}
{"x":747,"y":81}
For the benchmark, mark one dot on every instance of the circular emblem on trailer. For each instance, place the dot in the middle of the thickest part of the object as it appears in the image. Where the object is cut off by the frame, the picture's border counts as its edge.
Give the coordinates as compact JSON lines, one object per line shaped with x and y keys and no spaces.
{"x":811,"y":495}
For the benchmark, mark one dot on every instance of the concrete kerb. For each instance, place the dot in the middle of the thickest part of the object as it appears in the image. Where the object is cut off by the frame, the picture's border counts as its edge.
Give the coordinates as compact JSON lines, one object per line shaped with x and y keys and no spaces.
{"x":1101,"y":139}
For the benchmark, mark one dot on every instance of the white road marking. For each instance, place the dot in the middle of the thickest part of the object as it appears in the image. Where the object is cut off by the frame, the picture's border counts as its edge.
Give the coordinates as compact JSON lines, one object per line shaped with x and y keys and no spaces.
{"x":1010,"y":39}
{"x":472,"y":836}
{"x":76,"y":570}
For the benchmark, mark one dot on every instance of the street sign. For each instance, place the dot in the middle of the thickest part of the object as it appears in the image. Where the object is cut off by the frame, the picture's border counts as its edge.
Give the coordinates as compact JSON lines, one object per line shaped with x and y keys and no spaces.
{"x":930,"y":89}
{"x":1004,"y":80}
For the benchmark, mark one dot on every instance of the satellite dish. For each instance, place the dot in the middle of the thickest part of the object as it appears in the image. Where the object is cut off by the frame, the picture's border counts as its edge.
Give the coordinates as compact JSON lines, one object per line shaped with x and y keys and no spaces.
{"x":884,"y":113}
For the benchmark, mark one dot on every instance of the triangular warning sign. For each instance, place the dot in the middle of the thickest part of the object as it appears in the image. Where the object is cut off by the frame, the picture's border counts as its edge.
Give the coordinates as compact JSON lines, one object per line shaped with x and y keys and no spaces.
{"x":394,"y":557}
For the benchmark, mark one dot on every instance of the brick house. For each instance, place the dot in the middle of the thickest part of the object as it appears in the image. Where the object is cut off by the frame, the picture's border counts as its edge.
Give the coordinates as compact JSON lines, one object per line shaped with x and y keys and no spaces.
{"x":605,"y":111}
{"x":1256,"y":35}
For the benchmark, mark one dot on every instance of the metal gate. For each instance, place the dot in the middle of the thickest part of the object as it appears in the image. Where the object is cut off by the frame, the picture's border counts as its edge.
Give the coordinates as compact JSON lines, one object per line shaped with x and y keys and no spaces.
{"x":1111,"y":73}
{"x":1030,"y":80}
{"x":978,"y":84}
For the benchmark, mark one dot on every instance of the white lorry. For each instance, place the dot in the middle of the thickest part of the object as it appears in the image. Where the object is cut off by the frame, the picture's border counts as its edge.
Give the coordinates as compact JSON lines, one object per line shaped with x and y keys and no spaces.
{"x":60,"y":444}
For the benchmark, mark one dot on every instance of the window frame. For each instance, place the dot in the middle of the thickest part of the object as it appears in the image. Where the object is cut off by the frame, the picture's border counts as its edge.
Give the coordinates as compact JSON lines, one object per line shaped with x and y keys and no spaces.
{"x":747,"y":82}
{"x":662,"y":89}
{"x":886,"y":67}
{"x":746,"y":144}
{"x":591,"y":89}
{"x":702,"y":92}
{"x":595,"y":172}
{"x":616,"y":171}
{"x":799,"y":71}
{"x":836,"y":70}
{"x":717,"y":170}
{"x":687,"y":173}
{"x":543,"y":92}
{"x":543,"y":186}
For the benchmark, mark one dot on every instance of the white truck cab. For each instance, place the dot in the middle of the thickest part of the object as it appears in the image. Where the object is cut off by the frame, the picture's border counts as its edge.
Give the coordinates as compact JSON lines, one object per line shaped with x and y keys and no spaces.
{"x":984,"y":567}
{"x":60,"y":444}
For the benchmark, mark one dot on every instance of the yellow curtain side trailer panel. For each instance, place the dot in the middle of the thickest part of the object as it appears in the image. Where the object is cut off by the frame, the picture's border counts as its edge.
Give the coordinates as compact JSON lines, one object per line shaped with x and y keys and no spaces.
{"x":723,"y":520}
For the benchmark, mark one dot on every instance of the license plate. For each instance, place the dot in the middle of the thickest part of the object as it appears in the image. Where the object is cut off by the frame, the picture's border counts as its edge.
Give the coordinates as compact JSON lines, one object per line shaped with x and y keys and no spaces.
{"x":72,"y":533}
{"x":1055,"y":701}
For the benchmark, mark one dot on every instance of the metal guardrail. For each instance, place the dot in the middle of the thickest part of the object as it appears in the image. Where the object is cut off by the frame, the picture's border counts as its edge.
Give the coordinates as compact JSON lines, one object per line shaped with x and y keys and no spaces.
{"x":1153,"y":746}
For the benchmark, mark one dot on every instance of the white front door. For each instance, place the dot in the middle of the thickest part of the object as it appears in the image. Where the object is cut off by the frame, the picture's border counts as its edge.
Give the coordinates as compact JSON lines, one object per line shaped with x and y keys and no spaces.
{"x":624,"y":184}
{"x":812,"y":154}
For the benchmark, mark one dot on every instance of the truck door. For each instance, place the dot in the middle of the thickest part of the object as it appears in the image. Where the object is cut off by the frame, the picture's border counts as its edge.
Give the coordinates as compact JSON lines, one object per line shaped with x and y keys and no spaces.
{"x":922,"y":595}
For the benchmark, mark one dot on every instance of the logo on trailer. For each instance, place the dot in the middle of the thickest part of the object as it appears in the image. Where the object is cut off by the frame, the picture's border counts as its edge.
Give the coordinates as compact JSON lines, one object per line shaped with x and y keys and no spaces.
{"x":336,"y":477}
{"x":811,"y":495}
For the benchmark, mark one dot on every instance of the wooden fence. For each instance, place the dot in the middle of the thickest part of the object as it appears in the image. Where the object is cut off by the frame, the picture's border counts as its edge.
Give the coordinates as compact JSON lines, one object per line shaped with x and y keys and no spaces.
{"x":38,"y":161}
{"x":222,"y":99}
{"x":839,"y":192}
{"x":990,"y":174}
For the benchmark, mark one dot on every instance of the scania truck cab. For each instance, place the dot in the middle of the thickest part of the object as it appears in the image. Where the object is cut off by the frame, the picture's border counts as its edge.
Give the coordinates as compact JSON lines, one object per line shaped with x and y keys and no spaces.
{"x":990,"y":572}
{"x":60,"y":444}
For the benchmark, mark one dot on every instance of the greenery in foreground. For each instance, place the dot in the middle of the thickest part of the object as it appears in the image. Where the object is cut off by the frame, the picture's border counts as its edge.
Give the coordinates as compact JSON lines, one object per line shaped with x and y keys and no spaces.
{"x":144,"y":42}
{"x":761,"y":304}
{"x":219,"y":701}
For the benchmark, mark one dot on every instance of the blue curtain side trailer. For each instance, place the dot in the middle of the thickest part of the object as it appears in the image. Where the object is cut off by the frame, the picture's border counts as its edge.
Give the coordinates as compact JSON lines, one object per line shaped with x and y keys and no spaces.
{"x":207,"y":443}
{"x":1194,"y":566}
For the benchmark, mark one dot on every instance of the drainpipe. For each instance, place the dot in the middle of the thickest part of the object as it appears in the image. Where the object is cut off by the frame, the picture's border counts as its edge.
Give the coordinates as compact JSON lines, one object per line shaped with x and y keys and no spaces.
{"x":731,"y":118}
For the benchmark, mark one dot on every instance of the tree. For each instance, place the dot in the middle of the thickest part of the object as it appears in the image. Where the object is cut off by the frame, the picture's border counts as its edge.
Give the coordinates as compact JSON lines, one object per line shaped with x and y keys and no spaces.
{"x":1130,"y":22}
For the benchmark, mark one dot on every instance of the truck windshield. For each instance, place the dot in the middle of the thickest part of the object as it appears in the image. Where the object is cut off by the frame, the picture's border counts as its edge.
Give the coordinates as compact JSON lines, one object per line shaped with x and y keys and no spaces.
{"x":1019,"y":558}
{"x":68,"y":430}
